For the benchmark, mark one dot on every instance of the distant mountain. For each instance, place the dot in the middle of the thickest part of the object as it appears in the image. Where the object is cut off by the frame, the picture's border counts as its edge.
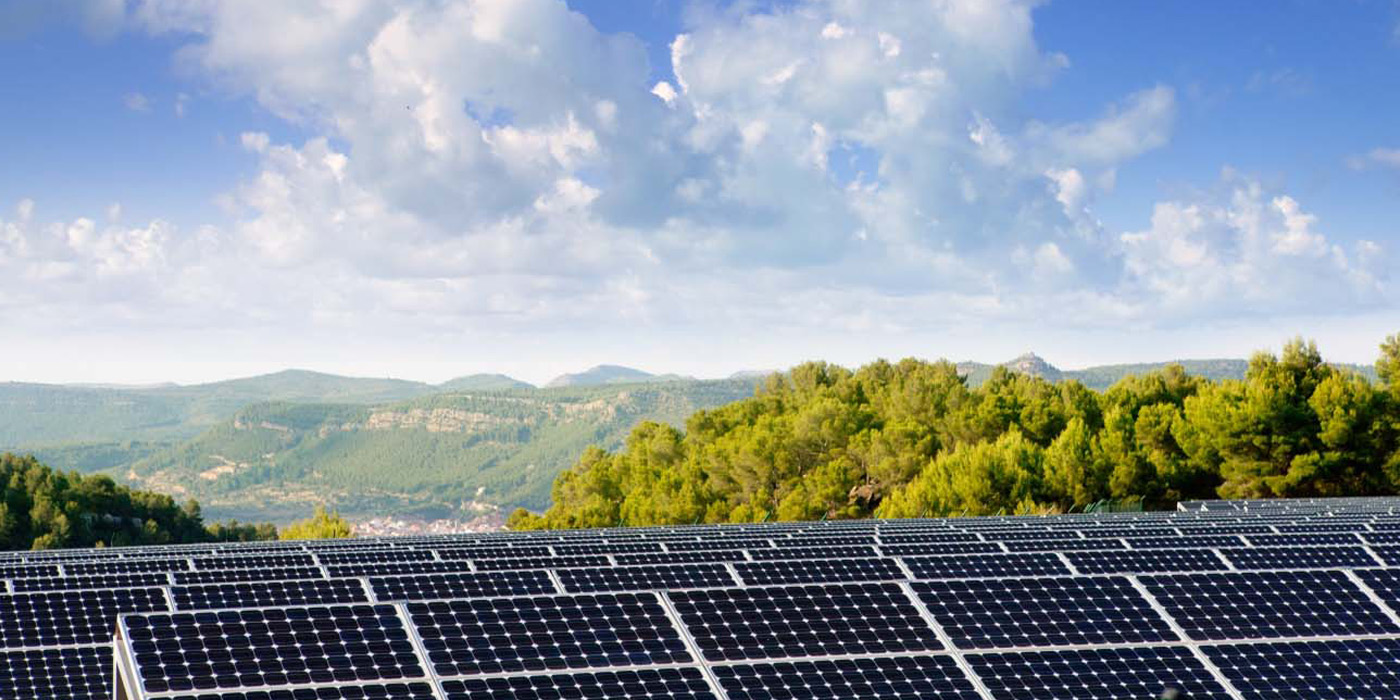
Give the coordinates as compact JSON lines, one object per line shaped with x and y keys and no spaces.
{"x":754,"y":373}
{"x":1104,"y":376}
{"x":483,"y":382}
{"x":611,"y":374}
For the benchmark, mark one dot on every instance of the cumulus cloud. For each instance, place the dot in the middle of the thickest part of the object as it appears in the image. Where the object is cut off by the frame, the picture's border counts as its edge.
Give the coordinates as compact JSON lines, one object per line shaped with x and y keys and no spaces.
{"x":479,"y":164}
{"x":1244,"y":250}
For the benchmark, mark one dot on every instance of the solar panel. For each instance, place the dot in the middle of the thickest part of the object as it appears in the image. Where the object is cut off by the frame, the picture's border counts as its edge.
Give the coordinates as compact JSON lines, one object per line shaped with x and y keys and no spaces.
{"x":462,"y":585}
{"x":233,"y":575}
{"x":642,"y":578}
{"x":1008,"y":613}
{"x":1333,"y":557}
{"x":253,"y":648}
{"x":263,"y":594}
{"x":881,"y":677}
{"x":897,"y":550}
{"x":73,"y":673}
{"x":682,"y":557}
{"x":540,"y":563}
{"x":833,"y":552}
{"x":70,"y":583}
{"x":686,"y":683}
{"x":1356,"y":669}
{"x":819,"y":571}
{"x":1289,"y":598}
{"x":551,"y":633}
{"x":1125,"y":673}
{"x":1146,"y":561}
{"x":1262,"y":604}
{"x":766,"y":623}
{"x":987,"y":566}
{"x":265,"y":561}
{"x":378,"y":691}
{"x":70,"y":617}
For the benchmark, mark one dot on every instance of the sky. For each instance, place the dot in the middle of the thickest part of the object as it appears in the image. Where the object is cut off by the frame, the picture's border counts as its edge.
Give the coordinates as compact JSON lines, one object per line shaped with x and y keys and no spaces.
{"x":193,"y":190}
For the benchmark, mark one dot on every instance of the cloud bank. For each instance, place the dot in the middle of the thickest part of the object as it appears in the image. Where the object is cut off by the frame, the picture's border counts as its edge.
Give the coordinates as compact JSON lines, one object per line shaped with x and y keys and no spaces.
{"x":505,"y":166}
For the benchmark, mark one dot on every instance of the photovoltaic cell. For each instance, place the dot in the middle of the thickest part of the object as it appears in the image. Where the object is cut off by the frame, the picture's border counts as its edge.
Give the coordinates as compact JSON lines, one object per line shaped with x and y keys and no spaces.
{"x":1003,"y":613}
{"x":514,"y":635}
{"x":1127,"y":673}
{"x":397,"y":568}
{"x":1063,"y":545}
{"x":1263,"y":604}
{"x":765,"y":623}
{"x":883,"y":677}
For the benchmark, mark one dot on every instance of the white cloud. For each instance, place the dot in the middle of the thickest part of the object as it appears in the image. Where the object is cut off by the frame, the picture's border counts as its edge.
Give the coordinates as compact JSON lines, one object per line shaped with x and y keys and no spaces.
{"x":1244,"y":251}
{"x":136,"y":102}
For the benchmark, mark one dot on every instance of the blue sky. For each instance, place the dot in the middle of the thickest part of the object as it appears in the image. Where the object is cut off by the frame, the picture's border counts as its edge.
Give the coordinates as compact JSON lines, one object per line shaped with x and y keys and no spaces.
{"x":430,"y":189}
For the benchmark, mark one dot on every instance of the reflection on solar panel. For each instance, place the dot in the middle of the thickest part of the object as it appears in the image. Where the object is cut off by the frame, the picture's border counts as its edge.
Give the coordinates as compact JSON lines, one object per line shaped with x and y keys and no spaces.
{"x":1245,"y":600}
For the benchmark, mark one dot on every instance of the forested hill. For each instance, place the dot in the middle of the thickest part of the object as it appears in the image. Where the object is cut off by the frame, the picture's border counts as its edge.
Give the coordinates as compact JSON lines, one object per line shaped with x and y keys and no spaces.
{"x":440,"y":455}
{"x":915,"y":439}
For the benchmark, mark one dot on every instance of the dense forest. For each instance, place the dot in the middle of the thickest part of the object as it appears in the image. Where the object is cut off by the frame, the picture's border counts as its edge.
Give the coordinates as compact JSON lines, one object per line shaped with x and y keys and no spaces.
{"x":913,"y":439}
{"x":41,"y":508}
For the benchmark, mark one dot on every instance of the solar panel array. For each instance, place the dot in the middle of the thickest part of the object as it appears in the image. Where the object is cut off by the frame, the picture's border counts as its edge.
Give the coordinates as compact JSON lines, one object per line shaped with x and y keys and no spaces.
{"x":1238,"y":600}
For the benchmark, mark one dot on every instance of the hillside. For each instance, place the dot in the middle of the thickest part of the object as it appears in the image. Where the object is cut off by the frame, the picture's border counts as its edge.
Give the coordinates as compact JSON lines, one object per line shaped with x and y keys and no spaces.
{"x":433,"y":455}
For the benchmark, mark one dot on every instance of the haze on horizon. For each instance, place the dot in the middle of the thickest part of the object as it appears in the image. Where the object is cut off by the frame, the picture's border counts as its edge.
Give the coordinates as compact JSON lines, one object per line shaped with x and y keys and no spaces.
{"x":195,"y":191}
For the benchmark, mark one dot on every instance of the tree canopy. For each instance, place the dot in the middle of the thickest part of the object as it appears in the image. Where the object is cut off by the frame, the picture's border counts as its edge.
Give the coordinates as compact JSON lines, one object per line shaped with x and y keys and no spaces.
{"x":912,"y":439}
{"x":41,"y":508}
{"x":322,"y":525}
